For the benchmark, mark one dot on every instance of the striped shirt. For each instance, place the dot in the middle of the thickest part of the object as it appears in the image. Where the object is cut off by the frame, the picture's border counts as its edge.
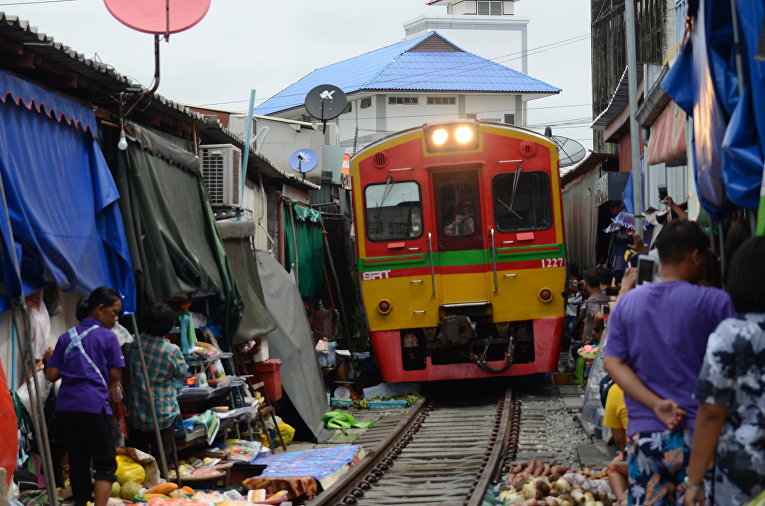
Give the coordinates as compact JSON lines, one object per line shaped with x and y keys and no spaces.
{"x":165,"y":365}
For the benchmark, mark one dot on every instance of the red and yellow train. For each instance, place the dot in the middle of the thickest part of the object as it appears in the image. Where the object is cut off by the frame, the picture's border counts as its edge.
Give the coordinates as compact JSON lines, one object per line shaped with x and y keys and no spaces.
{"x":461,"y":251}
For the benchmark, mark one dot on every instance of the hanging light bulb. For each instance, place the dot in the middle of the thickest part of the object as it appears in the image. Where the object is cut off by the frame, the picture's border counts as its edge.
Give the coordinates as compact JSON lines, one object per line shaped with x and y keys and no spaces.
{"x":122,"y":144}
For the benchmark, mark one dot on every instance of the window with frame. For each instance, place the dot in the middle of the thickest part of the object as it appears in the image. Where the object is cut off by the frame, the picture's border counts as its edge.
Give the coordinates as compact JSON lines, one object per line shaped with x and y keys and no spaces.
{"x":522,"y":201}
{"x":457,"y":208}
{"x":393,"y":211}
{"x":442,"y":100}
{"x":471,"y":116}
{"x":403,"y":100}
{"x":510,"y":119}
{"x":348,"y":108}
{"x":365,"y":103}
{"x":489,"y":8}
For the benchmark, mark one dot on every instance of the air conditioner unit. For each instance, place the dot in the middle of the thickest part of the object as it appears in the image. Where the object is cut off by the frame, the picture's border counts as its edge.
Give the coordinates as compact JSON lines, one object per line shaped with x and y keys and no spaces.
{"x":222,"y":173}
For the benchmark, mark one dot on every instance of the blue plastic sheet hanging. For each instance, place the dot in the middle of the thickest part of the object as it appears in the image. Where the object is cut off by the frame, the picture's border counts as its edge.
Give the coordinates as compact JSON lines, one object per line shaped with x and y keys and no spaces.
{"x":61,"y":201}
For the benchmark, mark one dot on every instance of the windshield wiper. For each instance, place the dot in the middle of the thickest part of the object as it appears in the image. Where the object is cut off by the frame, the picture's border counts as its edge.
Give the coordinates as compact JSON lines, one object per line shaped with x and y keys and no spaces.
{"x":386,"y":193}
{"x":512,"y":196}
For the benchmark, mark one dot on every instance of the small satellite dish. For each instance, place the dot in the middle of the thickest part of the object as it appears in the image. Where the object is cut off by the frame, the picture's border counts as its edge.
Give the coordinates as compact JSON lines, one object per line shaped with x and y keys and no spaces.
{"x":570,"y":151}
{"x":304,"y":160}
{"x":161,"y":17}
{"x":325,"y":102}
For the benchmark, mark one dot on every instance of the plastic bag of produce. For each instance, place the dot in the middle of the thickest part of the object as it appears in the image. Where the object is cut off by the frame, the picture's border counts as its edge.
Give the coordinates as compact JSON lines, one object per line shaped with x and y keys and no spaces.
{"x":146,"y":461}
{"x":288,"y":434}
{"x":129,"y":470}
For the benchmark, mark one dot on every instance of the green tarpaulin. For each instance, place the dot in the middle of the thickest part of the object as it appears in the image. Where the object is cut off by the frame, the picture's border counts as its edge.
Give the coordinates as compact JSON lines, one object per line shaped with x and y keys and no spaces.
{"x":237,"y":240}
{"x":306,"y":259}
{"x":174,"y":244}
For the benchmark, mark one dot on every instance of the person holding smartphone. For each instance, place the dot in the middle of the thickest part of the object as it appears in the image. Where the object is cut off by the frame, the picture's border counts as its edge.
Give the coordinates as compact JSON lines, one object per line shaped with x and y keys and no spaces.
{"x":657,"y":337}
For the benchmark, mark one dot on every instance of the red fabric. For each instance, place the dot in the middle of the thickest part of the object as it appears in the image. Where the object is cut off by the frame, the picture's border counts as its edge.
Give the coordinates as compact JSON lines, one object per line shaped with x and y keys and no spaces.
{"x":667,"y":140}
{"x":9,"y":440}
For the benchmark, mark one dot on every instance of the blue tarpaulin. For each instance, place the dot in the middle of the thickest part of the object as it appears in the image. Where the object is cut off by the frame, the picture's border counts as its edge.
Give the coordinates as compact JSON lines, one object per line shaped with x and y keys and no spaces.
{"x":729,"y":128}
{"x":61,"y":199}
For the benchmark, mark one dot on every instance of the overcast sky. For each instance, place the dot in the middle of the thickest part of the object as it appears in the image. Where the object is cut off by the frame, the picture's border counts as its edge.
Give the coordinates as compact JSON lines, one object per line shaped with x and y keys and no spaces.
{"x":267,"y":45}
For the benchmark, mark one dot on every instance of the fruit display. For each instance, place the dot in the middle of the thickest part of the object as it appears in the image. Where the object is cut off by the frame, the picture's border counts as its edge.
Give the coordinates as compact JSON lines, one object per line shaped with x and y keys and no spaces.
{"x":186,"y":496}
{"x":537,"y":483}
{"x":196,"y":467}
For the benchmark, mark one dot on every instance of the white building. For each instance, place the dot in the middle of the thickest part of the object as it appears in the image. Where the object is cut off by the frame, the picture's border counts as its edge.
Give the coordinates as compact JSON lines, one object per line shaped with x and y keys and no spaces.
{"x":407,"y":84}
{"x":488,"y":28}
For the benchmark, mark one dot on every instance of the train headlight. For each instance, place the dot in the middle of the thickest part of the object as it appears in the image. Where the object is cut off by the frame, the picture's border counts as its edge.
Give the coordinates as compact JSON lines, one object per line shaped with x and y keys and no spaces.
{"x":463,"y":134}
{"x":440,"y":136}
{"x":451,"y":136}
{"x":384,"y":306}
{"x":545,"y":295}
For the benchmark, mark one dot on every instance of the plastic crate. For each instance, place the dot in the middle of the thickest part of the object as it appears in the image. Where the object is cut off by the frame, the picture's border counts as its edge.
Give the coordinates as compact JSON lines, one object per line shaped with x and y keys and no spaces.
{"x":340,"y":403}
{"x":393,"y":404}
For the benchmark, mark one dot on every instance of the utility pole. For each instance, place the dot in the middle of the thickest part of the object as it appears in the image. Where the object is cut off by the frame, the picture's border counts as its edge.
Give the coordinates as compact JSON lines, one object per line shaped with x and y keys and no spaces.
{"x":637,"y":175}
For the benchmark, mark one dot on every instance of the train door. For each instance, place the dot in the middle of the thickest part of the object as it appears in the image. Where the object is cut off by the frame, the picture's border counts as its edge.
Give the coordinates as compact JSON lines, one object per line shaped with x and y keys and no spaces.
{"x":458,"y":236}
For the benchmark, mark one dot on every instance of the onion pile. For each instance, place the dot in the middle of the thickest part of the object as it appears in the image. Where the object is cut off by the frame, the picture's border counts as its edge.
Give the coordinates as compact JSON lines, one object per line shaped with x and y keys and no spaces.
{"x":536,"y":483}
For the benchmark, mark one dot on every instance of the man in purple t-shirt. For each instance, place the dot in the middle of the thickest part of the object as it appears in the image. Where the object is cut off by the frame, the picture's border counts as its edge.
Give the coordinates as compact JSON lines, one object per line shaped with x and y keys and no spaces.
{"x":657,"y":336}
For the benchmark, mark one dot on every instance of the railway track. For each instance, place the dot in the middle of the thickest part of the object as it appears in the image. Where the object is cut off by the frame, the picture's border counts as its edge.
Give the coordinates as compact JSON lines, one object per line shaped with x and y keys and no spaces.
{"x":446,"y":451}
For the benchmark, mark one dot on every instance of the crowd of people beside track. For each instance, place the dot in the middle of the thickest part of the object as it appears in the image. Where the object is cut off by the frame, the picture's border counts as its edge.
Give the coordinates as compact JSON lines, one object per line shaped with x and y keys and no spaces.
{"x":687,"y":361}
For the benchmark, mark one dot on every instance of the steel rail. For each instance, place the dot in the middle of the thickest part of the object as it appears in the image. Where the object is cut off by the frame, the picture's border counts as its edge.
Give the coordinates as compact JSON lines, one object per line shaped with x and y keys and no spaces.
{"x":495,"y":452}
{"x":352,"y":485}
{"x":497,"y":438}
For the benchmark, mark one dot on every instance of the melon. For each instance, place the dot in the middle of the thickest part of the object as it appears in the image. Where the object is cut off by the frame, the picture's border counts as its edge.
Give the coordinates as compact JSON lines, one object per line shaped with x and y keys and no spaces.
{"x":130,"y":489}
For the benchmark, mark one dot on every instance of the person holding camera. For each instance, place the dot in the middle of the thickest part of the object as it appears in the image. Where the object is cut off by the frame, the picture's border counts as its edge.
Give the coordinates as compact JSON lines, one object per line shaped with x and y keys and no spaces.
{"x":657,"y":338}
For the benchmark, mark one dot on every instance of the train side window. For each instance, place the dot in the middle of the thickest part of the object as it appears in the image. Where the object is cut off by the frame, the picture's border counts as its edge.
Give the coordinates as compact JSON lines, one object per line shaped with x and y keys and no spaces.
{"x":393,"y":211}
{"x":522,"y":201}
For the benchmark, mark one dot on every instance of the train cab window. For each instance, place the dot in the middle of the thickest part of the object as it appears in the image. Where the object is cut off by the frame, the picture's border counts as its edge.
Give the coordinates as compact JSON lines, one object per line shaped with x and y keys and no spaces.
{"x":393,"y":211}
{"x":522,"y":201}
{"x":458,"y":209}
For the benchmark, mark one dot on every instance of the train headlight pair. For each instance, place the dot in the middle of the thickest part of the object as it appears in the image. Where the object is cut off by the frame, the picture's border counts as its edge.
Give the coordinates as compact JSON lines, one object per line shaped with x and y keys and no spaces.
{"x":451,"y":136}
{"x":463,"y":135}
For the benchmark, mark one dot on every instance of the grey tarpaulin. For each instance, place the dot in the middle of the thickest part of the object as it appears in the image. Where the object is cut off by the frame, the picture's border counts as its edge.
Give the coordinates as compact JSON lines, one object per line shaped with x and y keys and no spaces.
{"x":256,"y":320}
{"x":292,"y":343}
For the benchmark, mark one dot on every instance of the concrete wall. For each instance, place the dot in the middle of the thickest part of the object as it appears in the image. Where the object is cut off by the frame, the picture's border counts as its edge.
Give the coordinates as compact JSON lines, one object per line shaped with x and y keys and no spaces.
{"x":382,"y":118}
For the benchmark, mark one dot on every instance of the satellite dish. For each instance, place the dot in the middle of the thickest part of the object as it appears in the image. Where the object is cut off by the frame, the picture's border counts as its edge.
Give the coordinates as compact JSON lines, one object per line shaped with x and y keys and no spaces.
{"x":570,"y":151}
{"x":325,"y":102}
{"x":158,"y":16}
{"x":304,"y":160}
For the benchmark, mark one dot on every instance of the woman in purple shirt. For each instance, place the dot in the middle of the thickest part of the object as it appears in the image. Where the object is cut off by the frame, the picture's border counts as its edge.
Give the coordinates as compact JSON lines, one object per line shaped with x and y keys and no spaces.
{"x":89,"y":362}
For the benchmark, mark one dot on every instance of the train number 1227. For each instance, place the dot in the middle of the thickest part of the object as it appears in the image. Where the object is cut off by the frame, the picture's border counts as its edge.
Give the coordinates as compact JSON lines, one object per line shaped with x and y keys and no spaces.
{"x":553,"y":262}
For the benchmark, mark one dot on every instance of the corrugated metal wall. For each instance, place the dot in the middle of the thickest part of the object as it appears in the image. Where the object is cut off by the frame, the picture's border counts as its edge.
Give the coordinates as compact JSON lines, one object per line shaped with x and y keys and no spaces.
{"x":581,"y":219}
{"x":676,"y":179}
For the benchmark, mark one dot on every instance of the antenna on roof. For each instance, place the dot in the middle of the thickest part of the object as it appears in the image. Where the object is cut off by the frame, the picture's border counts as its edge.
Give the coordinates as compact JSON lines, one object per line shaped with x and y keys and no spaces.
{"x":570,"y":152}
{"x":304,"y":160}
{"x":325,"y":102}
{"x":159,"y":18}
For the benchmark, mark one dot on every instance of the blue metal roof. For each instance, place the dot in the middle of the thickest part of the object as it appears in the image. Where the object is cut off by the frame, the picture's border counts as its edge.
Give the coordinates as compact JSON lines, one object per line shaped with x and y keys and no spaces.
{"x":396,"y":67}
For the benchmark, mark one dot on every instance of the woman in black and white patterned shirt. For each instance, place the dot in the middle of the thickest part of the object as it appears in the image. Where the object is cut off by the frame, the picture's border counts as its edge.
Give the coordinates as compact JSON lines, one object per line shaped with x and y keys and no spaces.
{"x":731,"y":389}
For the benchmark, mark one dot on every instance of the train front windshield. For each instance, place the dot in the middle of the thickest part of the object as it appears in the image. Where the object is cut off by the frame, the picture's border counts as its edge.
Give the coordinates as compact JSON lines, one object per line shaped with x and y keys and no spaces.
{"x":522,"y":201}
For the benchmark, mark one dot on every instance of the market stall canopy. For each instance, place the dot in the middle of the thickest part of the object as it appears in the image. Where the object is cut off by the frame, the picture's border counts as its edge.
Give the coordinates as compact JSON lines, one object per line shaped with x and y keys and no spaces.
{"x":61,"y":215}
{"x":704,"y":81}
{"x":174,"y":243}
{"x":256,"y":320}
{"x":292,"y":343}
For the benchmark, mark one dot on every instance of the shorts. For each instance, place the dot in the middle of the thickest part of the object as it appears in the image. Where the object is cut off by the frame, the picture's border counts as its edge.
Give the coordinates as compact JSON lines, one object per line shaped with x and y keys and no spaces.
{"x":657,"y":464}
{"x":90,"y":435}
